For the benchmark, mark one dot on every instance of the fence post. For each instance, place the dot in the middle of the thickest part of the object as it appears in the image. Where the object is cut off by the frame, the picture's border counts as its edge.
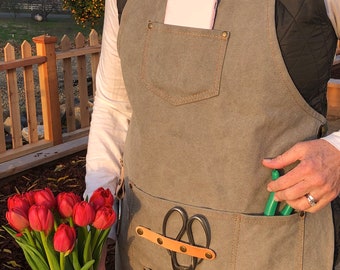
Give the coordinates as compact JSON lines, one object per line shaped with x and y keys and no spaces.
{"x":45,"y":46}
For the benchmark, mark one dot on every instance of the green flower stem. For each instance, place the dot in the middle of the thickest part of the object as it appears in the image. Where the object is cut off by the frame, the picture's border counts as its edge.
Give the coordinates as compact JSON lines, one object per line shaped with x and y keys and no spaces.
{"x":70,"y":220}
{"x":30,"y":238}
{"x":87,"y":255}
{"x":85,"y":231}
{"x":50,"y":257}
{"x":55,"y":225}
{"x":95,"y":239}
{"x":62,"y":260}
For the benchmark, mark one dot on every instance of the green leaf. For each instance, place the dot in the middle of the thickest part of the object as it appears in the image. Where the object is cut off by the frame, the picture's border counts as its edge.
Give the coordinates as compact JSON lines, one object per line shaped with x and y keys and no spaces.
{"x":50,"y":252}
{"x":75,"y":259}
{"x":33,"y":257}
{"x":87,"y":265}
{"x":97,"y":249}
{"x":82,"y":236}
{"x":95,"y":236}
{"x":38,"y":242}
{"x":33,"y":263}
{"x":12,"y":232}
{"x":103,"y":236}
{"x":68,"y":263}
{"x":87,"y":249}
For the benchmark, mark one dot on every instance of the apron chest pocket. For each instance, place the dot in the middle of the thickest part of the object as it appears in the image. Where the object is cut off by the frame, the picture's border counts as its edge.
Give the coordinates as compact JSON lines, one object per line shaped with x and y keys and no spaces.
{"x":183,"y":65}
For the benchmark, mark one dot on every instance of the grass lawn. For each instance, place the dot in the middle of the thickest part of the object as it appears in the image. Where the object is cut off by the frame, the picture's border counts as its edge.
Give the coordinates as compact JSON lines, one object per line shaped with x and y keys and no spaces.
{"x":16,"y":30}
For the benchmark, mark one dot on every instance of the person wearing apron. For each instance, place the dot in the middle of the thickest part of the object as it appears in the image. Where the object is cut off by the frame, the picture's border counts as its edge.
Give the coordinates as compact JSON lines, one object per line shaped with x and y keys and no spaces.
{"x":209,"y":108}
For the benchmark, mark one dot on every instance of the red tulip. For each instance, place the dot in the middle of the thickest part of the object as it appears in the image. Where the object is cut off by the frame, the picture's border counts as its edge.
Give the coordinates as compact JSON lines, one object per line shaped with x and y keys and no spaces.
{"x":104,"y":219}
{"x":18,"y":201}
{"x":45,"y":197}
{"x":64,"y":238}
{"x":30,"y":197}
{"x":18,"y":219}
{"x":101,"y":197}
{"x":41,"y":218}
{"x":66,"y":202}
{"x":83,"y":213}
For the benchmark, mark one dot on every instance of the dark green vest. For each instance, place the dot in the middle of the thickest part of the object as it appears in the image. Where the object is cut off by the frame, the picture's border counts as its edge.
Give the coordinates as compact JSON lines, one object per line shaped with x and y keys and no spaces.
{"x":307,"y":41}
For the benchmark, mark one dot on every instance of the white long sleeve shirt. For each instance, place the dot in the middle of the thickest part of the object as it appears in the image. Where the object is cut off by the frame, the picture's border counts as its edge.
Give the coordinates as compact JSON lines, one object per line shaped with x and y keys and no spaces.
{"x":112,"y":109}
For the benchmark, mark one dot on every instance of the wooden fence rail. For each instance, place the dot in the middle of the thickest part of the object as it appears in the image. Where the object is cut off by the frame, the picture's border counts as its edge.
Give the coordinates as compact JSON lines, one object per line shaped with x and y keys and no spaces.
{"x":46,"y":63}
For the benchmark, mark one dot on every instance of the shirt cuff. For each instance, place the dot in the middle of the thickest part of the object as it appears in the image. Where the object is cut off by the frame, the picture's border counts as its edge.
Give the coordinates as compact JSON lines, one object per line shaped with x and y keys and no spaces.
{"x":333,"y":139}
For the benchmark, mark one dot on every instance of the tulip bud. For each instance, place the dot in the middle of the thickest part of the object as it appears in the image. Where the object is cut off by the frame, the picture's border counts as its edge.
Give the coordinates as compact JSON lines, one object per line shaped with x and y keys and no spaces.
{"x":45,"y":197}
{"x":18,"y":201}
{"x":18,"y":219}
{"x":104,"y":219}
{"x":64,"y":238}
{"x":30,"y":197}
{"x":83,"y":214}
{"x":41,"y":218}
{"x":101,"y":197}
{"x":66,"y":202}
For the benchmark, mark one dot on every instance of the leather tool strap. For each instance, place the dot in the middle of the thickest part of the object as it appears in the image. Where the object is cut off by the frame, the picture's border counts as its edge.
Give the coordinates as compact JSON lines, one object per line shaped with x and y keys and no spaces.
{"x":174,"y":245}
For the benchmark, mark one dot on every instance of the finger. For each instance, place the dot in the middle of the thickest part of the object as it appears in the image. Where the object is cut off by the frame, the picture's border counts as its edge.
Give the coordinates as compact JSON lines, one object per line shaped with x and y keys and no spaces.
{"x":303,"y":204}
{"x":101,"y":264}
{"x":290,"y":179}
{"x":292,"y":193}
{"x":290,"y":156}
{"x":309,"y":186}
{"x":321,"y":201}
{"x":318,"y":206}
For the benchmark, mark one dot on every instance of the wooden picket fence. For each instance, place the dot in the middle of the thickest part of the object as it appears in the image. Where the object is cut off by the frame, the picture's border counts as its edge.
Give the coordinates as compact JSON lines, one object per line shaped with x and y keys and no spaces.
{"x":44,"y":63}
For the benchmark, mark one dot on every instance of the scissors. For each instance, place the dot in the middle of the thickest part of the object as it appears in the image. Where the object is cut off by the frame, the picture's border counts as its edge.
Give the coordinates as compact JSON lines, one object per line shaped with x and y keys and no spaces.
{"x":187,"y":225}
{"x":271,"y":204}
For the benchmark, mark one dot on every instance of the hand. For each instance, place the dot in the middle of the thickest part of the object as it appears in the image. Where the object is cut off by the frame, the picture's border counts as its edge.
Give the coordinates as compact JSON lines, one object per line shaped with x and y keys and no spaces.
{"x":317,"y":174}
{"x":102,"y":262}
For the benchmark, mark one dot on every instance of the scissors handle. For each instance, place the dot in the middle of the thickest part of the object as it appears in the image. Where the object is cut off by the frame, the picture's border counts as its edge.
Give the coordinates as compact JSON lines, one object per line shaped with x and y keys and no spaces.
{"x":271,"y":205}
{"x":184,"y":216}
{"x":205,"y":226}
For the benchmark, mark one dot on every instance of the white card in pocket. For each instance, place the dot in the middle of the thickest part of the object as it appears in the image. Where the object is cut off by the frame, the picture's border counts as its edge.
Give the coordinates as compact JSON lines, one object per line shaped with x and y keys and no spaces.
{"x":191,"y":13}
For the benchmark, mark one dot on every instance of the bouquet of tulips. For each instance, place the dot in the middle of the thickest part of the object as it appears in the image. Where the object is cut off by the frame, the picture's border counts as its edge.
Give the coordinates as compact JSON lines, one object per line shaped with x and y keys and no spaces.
{"x":60,"y":232}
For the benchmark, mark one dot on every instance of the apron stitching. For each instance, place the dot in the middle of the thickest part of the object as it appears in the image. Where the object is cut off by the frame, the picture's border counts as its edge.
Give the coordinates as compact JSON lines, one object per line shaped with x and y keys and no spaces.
{"x":301,"y":243}
{"x":235,"y":241}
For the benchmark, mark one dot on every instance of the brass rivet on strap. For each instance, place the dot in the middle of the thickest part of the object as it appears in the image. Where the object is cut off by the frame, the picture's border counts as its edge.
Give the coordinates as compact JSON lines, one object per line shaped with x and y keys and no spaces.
{"x":160,"y":241}
{"x":140,"y":231}
{"x":208,"y":255}
{"x":183,"y":248}
{"x":150,"y":25}
{"x":224,"y":34}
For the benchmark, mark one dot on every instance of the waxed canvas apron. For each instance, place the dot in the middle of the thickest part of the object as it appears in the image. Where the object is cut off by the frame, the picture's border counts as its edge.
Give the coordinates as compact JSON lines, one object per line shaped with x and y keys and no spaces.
{"x":208,"y":105}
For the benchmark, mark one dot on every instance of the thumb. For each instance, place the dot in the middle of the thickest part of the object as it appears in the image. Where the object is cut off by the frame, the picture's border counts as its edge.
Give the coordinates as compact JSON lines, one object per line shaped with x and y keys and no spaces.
{"x":290,"y":156}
